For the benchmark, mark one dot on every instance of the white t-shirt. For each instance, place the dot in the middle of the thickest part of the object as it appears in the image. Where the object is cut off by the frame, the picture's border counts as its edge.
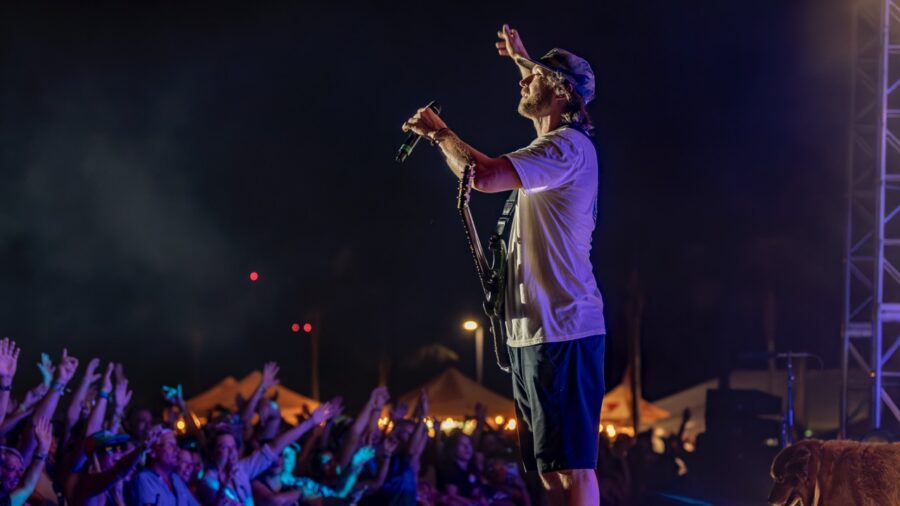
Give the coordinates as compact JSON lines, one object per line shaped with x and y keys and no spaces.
{"x":551,"y":293}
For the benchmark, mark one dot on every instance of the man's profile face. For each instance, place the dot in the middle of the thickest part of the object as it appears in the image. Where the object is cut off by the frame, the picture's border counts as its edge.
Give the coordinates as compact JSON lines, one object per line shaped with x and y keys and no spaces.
{"x":537,"y":94}
{"x":165,"y":451}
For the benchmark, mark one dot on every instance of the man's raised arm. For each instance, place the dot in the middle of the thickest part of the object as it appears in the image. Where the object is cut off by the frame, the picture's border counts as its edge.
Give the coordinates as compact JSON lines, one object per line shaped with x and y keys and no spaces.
{"x":510,"y":44}
{"x":491,"y":174}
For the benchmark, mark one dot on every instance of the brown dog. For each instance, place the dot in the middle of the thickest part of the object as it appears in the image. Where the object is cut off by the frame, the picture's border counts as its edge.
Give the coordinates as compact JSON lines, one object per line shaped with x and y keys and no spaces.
{"x":836,"y":473}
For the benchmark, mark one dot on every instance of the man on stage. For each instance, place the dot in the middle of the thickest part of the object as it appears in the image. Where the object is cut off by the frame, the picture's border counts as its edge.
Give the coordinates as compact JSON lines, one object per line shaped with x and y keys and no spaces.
{"x":554,"y":311}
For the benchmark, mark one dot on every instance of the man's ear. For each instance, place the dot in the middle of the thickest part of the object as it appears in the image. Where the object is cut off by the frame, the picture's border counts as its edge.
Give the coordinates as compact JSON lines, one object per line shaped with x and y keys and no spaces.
{"x":562,"y":89}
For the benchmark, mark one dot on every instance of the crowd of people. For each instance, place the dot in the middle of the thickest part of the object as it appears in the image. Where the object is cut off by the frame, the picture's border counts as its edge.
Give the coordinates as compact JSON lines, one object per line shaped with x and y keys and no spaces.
{"x":102,"y":451}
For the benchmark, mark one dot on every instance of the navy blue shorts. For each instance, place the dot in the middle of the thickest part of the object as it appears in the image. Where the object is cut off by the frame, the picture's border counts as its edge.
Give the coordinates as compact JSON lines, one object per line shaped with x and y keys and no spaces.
{"x":558,"y":388}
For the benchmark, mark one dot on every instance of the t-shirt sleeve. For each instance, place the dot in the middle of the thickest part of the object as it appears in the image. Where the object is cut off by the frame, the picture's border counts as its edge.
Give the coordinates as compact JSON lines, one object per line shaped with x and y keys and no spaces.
{"x":258,"y":461}
{"x":549,"y":162}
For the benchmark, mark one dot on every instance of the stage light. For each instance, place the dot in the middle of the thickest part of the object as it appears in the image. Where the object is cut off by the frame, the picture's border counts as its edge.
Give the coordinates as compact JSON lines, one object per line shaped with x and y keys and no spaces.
{"x":254,"y":276}
{"x":295,"y":327}
{"x":470,"y":325}
{"x":307,"y":327}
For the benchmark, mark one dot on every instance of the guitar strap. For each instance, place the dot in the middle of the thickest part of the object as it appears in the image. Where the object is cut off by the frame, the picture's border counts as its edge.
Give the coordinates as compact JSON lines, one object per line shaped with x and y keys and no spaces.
{"x":509,"y":209}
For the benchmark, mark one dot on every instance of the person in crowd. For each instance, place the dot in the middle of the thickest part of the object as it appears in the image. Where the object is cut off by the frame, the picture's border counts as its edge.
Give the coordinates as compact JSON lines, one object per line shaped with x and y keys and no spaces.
{"x":111,"y":464}
{"x":502,"y":485}
{"x":279,"y":487}
{"x":13,"y":490}
{"x":458,"y":477}
{"x":188,"y":467}
{"x":94,"y":457}
{"x":396,"y":481}
{"x":159,"y":484}
{"x":229,"y":476}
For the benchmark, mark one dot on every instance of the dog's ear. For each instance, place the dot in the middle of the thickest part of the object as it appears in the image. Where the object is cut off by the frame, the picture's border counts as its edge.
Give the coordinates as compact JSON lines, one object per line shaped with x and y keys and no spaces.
{"x":798,"y":460}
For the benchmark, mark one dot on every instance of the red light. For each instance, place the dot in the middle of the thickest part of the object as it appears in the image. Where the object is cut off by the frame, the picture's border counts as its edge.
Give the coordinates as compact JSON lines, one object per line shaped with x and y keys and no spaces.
{"x":295,"y":327}
{"x":254,"y":276}
{"x":307,"y":327}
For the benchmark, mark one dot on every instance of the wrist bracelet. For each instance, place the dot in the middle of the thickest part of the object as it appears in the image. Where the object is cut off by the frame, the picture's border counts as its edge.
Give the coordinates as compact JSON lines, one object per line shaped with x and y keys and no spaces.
{"x":59,"y":387}
{"x":434,"y":137}
{"x":6,"y":388}
{"x":40,"y":456}
{"x":103,"y":395}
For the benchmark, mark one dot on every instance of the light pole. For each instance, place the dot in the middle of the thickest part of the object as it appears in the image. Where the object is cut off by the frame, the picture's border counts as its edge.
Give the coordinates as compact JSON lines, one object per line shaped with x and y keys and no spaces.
{"x":471,"y":325}
{"x":312,"y":329}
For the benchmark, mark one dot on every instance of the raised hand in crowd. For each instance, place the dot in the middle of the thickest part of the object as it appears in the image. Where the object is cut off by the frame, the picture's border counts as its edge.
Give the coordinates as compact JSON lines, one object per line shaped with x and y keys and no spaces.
{"x":419,"y":437}
{"x":46,"y":367}
{"x":78,"y":407}
{"x":66,"y":368}
{"x":269,"y":375}
{"x":174,"y":395}
{"x":9,"y":359}
{"x":399,"y":411}
{"x":47,"y":405}
{"x":327,"y":411}
{"x":268,"y":380}
{"x":42,"y":434}
{"x":363,"y":423}
{"x":32,"y":397}
{"x":348,"y":478}
{"x":121,"y":398}
{"x":98,"y":413}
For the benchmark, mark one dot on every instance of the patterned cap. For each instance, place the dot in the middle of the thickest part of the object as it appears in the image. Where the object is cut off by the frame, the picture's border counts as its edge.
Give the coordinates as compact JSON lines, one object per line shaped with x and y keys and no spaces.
{"x":574,"y":69}
{"x":105,"y":439}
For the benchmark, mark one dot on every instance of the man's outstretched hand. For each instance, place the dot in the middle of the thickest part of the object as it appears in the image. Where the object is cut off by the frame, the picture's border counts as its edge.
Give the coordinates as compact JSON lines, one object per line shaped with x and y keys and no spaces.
{"x":510,"y":43}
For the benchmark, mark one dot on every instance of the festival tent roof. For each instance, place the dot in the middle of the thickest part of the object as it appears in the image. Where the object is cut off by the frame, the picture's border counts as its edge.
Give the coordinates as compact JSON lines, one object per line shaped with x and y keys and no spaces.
{"x":617,"y":408}
{"x":820,"y":406}
{"x":452,"y":394}
{"x":226,"y":391}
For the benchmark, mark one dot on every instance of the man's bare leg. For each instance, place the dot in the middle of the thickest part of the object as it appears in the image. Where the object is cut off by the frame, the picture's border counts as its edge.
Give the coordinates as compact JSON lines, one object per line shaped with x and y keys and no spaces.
{"x":576,"y":487}
{"x":554,"y":488}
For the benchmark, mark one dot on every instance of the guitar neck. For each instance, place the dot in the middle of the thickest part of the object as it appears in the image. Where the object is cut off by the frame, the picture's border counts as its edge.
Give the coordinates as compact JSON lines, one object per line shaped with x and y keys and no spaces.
{"x":462,"y":205}
{"x":481,"y":263}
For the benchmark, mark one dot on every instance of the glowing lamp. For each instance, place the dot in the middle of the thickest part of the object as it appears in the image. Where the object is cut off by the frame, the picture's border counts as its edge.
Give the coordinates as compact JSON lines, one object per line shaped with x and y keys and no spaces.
{"x":295,"y":327}
{"x":499,"y":420}
{"x":470,"y":325}
{"x":511,"y":424}
{"x":254,"y":276}
{"x":307,"y":327}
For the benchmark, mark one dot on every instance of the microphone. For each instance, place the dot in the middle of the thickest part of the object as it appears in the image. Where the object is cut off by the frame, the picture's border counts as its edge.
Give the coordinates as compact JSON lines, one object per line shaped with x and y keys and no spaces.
{"x":410,"y":143}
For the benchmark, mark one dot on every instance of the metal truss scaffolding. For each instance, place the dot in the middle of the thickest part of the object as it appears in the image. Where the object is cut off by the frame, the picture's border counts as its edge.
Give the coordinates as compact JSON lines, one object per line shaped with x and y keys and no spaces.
{"x":871,"y":325}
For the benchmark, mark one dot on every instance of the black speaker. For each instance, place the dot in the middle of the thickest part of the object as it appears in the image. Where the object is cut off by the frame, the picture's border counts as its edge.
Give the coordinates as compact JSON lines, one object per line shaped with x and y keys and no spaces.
{"x":729,"y":407}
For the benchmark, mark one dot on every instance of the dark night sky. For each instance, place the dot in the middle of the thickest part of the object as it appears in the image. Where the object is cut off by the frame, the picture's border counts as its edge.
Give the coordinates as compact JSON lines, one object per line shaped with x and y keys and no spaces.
{"x":153,"y":156}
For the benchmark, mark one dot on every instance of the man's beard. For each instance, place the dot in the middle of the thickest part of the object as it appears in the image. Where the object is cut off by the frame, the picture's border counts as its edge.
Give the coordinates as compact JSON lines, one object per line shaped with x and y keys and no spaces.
{"x":534,"y":105}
